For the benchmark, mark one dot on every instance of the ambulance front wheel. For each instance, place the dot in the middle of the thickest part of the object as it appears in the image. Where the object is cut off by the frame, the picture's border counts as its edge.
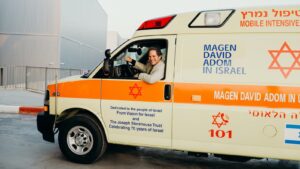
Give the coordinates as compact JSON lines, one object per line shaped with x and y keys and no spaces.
{"x":81,"y":139}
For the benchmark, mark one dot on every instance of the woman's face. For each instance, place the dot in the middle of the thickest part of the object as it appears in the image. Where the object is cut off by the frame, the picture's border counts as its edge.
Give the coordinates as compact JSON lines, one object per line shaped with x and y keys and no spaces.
{"x":153,"y":57}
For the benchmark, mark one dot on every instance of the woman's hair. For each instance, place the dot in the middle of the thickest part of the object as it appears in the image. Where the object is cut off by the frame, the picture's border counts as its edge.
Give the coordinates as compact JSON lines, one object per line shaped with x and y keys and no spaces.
{"x":158,"y":52}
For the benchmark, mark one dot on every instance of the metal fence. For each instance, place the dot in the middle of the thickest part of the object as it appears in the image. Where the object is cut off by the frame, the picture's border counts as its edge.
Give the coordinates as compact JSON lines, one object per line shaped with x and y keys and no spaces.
{"x":32,"y":78}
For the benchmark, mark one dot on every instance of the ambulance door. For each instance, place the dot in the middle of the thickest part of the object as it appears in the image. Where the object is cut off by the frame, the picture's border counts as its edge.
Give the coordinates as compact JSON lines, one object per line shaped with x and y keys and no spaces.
{"x":135,"y":112}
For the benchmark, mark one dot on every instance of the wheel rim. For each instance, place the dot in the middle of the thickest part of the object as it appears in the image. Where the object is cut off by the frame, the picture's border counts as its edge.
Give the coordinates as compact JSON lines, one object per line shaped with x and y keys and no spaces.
{"x":80,"y":140}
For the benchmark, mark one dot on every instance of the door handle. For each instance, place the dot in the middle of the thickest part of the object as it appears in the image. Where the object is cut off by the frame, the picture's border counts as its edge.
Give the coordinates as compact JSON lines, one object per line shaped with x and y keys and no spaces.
{"x":167,"y":92}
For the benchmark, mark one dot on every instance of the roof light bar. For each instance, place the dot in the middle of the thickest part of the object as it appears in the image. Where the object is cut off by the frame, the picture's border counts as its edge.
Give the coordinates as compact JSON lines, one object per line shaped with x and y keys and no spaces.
{"x":157,"y":23}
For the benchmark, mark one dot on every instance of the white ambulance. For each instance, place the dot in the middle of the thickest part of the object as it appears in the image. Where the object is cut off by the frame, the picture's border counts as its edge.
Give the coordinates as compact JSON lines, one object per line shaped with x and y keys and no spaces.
{"x":231,"y":88}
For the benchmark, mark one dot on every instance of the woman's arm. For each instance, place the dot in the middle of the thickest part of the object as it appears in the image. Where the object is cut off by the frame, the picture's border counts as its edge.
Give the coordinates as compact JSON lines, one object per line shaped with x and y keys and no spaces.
{"x":139,"y":66}
{"x":136,"y":64}
{"x":156,"y":74}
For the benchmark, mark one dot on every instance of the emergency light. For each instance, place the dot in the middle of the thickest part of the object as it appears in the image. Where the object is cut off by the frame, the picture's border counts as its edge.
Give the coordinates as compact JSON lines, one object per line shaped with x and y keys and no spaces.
{"x":157,"y":23}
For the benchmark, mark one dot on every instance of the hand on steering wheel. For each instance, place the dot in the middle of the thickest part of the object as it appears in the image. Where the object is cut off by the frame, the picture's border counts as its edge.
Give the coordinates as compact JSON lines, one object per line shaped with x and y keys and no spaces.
{"x":129,"y":68}
{"x":128,"y":59}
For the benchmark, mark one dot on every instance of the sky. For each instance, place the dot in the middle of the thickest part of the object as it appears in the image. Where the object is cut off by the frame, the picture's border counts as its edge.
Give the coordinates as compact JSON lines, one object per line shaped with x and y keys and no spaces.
{"x":125,"y":16}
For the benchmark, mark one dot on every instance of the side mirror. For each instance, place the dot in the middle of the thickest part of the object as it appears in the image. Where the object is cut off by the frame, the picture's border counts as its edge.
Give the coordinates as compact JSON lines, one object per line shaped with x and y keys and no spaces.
{"x":107,"y":53}
{"x":107,"y":65}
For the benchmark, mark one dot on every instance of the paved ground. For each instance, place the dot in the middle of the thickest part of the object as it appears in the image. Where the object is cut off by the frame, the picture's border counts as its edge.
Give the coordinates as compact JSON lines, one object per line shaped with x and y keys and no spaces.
{"x":21,"y":146}
{"x":20,"y":97}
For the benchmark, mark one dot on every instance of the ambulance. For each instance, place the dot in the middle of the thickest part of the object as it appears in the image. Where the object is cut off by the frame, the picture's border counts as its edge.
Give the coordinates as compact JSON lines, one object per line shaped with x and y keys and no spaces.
{"x":231,"y":88}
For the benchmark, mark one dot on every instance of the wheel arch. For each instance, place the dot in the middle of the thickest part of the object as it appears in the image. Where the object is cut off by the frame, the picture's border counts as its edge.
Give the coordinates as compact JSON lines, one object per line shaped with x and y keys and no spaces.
{"x":71,"y":112}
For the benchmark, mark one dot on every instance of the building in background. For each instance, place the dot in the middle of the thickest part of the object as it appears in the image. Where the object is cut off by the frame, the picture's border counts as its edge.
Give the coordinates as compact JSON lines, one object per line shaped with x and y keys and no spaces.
{"x":52,"y":33}
{"x":114,"y":40}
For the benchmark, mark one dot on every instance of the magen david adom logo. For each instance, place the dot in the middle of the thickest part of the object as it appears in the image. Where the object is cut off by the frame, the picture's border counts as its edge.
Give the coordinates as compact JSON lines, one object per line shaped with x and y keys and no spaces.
{"x":285,"y":59}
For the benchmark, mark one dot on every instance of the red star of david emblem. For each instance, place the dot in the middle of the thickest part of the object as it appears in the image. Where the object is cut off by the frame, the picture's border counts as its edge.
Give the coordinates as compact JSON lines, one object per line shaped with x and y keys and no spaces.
{"x":220,"y":119}
{"x":135,"y":90}
{"x":285,"y":49}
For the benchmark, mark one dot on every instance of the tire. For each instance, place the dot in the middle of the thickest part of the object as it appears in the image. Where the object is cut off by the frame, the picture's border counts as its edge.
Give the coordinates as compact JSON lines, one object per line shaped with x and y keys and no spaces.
{"x":81,"y":139}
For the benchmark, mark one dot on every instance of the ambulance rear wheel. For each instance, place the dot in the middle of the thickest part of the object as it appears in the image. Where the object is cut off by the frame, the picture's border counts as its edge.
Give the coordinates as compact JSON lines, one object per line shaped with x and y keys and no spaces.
{"x":81,"y":139}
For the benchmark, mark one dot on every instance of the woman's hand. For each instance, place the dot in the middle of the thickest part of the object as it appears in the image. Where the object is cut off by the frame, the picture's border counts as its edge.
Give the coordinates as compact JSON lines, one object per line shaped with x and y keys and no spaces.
{"x":128,"y":59}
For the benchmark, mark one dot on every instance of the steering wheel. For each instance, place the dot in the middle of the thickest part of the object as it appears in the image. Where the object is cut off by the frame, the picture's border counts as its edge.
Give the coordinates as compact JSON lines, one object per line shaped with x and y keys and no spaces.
{"x":130,"y":69}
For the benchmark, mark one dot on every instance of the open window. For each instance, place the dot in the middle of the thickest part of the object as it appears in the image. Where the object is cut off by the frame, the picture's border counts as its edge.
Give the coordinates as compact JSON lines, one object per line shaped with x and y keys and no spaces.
{"x":120,"y":69}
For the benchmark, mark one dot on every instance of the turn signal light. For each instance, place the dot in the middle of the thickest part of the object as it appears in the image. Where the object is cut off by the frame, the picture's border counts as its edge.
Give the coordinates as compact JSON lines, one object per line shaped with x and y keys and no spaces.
{"x":157,"y":23}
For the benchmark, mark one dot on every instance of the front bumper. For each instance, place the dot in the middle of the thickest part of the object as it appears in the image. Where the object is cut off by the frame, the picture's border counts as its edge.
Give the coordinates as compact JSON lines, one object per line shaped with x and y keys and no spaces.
{"x":45,"y":124}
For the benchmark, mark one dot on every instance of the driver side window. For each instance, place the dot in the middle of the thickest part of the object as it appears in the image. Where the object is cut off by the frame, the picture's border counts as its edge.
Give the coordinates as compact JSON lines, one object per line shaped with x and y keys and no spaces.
{"x":120,"y":69}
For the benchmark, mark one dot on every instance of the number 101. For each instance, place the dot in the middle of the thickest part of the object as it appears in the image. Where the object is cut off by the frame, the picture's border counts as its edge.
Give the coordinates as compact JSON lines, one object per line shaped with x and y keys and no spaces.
{"x":220,"y":133}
